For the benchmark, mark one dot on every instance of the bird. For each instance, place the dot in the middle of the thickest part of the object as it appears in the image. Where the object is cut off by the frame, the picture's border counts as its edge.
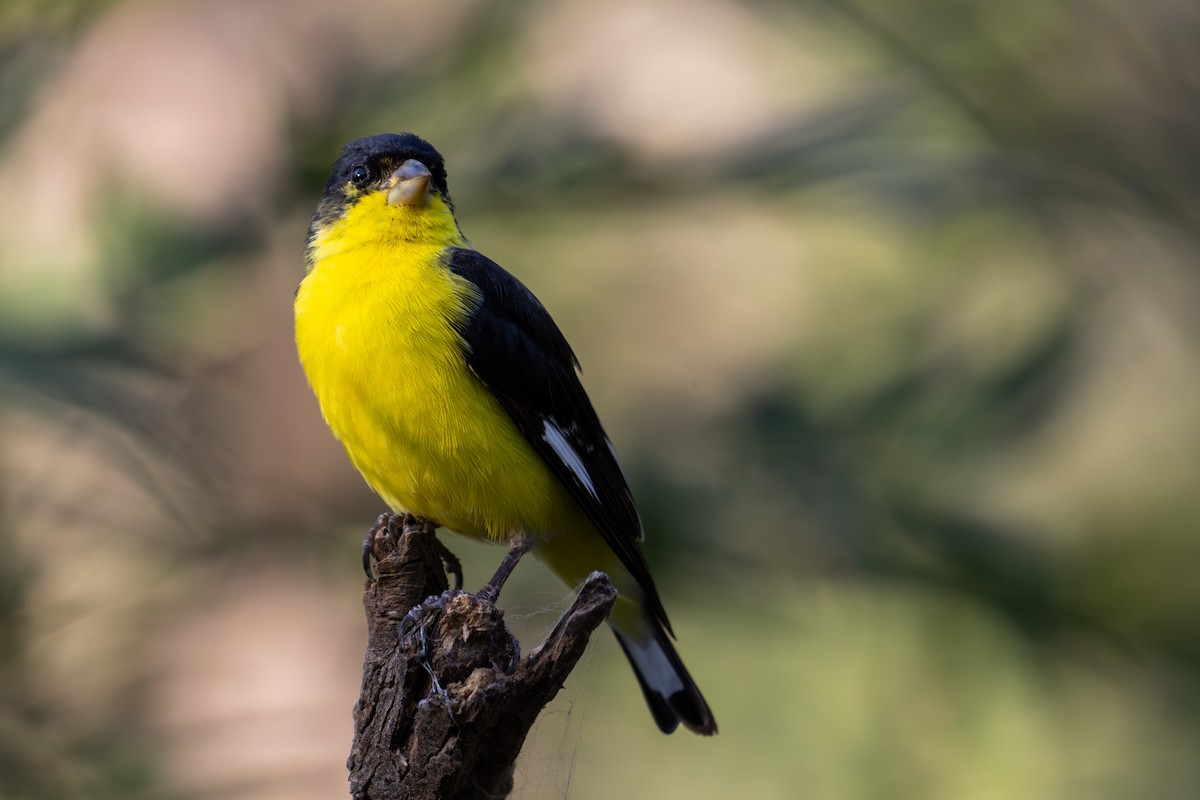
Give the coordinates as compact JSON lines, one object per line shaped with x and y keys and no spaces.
{"x":458,"y":399}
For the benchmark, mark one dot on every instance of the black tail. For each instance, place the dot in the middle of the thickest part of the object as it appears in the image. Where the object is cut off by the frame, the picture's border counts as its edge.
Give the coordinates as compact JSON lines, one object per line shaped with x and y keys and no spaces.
{"x":670,"y":692}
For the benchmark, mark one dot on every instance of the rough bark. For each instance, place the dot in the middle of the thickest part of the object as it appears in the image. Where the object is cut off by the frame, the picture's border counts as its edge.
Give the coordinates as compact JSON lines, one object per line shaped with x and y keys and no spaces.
{"x":446,"y":698}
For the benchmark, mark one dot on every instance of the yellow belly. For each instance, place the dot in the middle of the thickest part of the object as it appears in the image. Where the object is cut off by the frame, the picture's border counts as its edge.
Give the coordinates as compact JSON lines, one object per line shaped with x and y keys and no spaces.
{"x":386,"y":363}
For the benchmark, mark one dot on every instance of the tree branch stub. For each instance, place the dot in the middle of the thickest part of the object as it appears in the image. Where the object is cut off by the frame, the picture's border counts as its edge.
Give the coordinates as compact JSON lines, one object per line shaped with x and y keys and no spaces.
{"x":447,"y":699}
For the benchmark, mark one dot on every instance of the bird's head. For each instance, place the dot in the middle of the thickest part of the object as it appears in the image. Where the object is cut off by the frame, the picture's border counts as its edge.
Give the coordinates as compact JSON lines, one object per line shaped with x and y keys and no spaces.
{"x":386,"y":187}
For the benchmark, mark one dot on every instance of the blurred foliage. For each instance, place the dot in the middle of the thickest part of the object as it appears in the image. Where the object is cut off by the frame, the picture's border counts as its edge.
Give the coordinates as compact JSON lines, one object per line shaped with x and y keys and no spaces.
{"x":897,"y":340}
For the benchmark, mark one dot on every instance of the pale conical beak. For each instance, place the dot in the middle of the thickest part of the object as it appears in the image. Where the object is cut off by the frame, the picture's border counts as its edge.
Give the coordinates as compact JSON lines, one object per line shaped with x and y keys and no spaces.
{"x":408,"y":185}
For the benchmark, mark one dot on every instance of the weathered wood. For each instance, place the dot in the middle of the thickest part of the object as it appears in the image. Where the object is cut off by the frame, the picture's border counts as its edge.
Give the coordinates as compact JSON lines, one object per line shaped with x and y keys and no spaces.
{"x":446,"y":698}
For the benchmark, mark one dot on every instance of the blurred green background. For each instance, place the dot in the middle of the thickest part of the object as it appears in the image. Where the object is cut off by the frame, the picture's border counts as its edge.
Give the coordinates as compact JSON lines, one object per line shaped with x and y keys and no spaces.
{"x":889,"y":308}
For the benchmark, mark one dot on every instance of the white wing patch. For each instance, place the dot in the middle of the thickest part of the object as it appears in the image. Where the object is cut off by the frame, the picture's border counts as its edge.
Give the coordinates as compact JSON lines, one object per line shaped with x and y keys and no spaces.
{"x":566,"y":453}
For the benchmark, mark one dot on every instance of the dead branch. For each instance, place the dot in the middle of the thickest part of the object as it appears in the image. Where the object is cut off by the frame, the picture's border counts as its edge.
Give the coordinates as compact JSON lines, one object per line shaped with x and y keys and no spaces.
{"x":446,"y":699}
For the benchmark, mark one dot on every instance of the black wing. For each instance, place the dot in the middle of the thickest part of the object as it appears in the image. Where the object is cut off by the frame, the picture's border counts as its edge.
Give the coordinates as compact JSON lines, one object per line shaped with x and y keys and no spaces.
{"x":517,"y":351}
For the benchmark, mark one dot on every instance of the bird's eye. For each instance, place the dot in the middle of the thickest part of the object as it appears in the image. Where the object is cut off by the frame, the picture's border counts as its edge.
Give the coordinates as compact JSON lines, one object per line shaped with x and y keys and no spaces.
{"x":360,"y":176}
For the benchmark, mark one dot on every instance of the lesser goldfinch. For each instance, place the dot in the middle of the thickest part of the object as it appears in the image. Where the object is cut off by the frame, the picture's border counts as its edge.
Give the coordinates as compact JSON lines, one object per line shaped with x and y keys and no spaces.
{"x":456,"y":396}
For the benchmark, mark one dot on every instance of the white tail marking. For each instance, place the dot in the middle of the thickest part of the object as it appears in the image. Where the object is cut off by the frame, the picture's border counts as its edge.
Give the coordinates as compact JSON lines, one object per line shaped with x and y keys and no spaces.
{"x":655,"y":667}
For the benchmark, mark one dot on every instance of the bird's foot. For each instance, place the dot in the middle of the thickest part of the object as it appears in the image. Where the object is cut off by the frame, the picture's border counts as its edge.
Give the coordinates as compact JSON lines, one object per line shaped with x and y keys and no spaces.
{"x":388,"y":524}
{"x":518,"y":546}
{"x":450,"y":561}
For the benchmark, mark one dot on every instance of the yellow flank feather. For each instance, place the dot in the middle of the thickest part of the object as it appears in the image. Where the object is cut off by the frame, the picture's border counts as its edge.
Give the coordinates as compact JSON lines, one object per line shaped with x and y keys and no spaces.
{"x":377,"y":322}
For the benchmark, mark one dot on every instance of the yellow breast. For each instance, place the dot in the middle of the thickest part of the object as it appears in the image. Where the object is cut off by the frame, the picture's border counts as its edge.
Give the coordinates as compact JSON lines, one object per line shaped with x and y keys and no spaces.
{"x":377,"y":321}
